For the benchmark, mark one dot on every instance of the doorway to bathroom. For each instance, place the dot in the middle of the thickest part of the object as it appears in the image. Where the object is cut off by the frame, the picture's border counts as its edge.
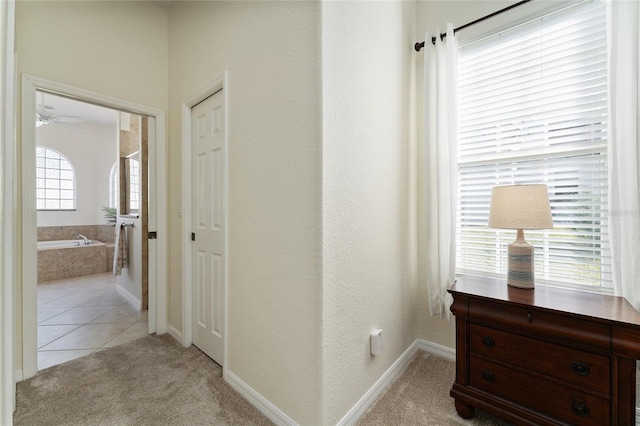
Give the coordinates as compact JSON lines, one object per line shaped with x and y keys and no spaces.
{"x":91,"y":291}
{"x":110,"y":266}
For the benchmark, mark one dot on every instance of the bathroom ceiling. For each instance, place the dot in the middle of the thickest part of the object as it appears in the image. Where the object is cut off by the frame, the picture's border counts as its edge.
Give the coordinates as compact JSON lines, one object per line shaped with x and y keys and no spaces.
{"x":73,"y":111}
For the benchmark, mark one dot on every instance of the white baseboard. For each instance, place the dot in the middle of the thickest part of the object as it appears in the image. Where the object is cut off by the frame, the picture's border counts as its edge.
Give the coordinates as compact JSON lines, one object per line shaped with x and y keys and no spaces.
{"x":436,"y":349}
{"x":175,"y":333}
{"x":278,"y":417}
{"x":272,"y":412}
{"x":397,"y":368}
{"x":18,"y":376}
{"x":127,"y":295}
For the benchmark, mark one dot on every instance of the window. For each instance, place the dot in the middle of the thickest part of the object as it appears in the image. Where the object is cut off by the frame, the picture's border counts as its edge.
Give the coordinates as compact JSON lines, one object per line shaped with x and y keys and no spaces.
{"x":134,"y":184}
{"x":55,"y":181}
{"x":114,"y":185}
{"x":533,"y":109}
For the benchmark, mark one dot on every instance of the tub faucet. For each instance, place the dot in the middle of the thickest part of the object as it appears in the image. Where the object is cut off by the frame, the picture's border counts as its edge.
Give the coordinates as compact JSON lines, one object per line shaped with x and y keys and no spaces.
{"x":85,"y":239}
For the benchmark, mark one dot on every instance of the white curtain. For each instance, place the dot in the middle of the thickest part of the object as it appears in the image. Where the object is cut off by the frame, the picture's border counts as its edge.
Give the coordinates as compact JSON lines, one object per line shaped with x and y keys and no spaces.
{"x":440,"y":164}
{"x":624,"y":153}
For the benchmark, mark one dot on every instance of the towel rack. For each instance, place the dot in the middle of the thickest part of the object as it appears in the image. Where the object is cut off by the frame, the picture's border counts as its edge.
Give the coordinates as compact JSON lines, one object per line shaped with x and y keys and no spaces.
{"x":122,"y":225}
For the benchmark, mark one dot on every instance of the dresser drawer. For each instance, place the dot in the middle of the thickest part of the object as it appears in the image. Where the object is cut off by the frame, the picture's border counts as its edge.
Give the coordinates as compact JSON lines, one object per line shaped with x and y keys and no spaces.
{"x":534,"y":322}
{"x":568,"y":364}
{"x":563,"y":402}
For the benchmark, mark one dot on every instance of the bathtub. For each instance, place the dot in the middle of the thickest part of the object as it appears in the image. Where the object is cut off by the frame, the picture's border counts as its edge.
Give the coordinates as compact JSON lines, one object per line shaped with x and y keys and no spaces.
{"x":56,"y":244}
{"x":70,"y":258}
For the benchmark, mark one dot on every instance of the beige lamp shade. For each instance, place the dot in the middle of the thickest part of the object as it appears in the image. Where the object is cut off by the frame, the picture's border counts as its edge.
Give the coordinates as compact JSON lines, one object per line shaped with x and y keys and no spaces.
{"x":520,"y":207}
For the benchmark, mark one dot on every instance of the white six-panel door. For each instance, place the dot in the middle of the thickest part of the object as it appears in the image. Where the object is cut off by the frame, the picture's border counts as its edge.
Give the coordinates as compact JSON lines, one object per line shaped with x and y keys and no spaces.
{"x":208,"y":220}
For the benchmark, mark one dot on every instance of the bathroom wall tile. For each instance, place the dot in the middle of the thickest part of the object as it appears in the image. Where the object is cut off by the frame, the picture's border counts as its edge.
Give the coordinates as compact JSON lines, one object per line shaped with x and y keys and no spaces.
{"x":100,"y":232}
{"x":106,"y":233}
{"x":110,"y":253}
{"x":55,"y":264}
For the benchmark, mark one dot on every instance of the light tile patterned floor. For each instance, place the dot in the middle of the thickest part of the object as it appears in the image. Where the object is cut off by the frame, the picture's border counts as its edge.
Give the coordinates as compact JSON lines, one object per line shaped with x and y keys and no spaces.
{"x":80,"y":315}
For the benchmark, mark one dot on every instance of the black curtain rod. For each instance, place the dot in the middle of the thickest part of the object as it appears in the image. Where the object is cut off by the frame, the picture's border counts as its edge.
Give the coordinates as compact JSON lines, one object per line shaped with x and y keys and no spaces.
{"x":418,"y":46}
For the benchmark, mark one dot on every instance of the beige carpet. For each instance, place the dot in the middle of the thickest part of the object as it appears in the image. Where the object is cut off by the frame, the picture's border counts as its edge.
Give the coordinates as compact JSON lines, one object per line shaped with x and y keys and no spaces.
{"x":155,"y":381}
{"x":420,"y":396}
{"x":150,"y":381}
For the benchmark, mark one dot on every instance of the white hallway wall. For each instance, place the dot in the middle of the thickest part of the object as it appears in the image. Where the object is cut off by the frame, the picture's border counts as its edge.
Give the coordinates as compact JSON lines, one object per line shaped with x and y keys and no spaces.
{"x":369,"y":210}
{"x":321,"y":153}
{"x":272,"y":53}
{"x":114,"y":48}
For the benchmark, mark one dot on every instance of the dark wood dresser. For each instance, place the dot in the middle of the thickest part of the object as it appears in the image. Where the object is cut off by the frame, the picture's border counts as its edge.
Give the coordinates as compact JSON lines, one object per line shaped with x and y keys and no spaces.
{"x":546,"y":356}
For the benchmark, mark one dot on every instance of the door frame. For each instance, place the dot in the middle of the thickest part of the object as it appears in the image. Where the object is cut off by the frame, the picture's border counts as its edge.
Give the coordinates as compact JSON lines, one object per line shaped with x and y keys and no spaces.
{"x":157,"y":288}
{"x":217,"y":84}
{"x":8,"y":102}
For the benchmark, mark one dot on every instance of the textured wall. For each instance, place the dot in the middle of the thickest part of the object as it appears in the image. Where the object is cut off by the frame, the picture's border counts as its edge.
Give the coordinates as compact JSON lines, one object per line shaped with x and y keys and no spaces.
{"x":323,"y":168}
{"x":115,"y":48}
{"x":369,"y":220}
{"x":272,"y":53}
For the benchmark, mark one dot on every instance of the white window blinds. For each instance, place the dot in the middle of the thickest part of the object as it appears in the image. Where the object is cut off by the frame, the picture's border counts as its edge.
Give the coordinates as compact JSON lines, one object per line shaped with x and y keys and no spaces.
{"x":533,"y":109}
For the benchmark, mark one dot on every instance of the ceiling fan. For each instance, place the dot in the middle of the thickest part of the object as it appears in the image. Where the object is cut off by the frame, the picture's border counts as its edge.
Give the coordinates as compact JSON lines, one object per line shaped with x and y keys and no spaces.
{"x":45,"y":115}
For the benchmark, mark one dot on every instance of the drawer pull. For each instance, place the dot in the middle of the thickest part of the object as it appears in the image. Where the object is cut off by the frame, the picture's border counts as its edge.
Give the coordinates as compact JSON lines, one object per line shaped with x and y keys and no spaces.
{"x":579,"y":405}
{"x":488,"y":341}
{"x":580,"y":368}
{"x":529,"y":317}
{"x":488,"y":376}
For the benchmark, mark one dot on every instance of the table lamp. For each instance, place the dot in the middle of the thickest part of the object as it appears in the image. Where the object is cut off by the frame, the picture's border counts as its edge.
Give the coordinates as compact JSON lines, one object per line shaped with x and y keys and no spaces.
{"x":520,"y":207}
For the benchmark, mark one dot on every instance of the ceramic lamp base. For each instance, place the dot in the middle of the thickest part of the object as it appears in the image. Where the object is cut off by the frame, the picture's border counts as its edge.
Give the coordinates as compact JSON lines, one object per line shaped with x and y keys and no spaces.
{"x":520,"y":272}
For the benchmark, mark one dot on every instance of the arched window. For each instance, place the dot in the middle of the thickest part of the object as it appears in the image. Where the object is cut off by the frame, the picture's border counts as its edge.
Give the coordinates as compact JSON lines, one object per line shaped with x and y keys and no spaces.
{"x":55,"y":181}
{"x":132,"y":176}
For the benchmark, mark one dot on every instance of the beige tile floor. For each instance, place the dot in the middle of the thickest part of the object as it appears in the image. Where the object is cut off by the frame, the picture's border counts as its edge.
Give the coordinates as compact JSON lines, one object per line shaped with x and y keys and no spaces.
{"x":81,"y":315}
